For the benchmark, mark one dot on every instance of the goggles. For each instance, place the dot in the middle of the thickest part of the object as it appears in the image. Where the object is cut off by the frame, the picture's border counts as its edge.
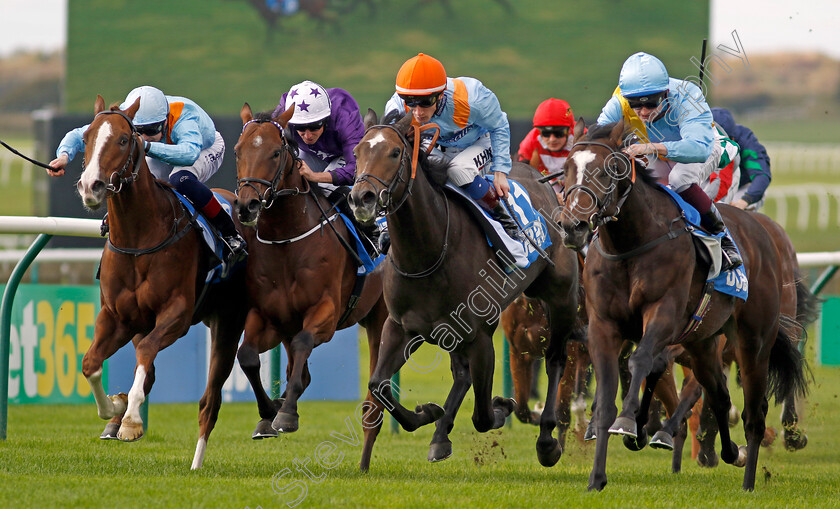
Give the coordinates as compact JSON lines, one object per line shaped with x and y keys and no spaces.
{"x":314,"y":126}
{"x":650,"y":102}
{"x":557,"y":131}
{"x":150,"y":129}
{"x":423,"y":101}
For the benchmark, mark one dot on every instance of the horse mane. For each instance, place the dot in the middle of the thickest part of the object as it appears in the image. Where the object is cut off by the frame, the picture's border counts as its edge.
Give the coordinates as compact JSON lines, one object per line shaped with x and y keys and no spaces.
{"x":601,"y":132}
{"x":434,"y":167}
{"x":263,"y":116}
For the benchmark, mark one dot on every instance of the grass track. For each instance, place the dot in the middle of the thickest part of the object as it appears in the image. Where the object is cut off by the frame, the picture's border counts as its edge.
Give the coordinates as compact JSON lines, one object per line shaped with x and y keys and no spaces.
{"x":52,"y":458}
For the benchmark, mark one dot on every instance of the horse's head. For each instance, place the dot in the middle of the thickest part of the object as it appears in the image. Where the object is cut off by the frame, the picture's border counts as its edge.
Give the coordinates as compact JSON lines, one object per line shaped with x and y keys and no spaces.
{"x":382,"y":168}
{"x":598,"y":177}
{"x":113,"y":153}
{"x":264,"y":159}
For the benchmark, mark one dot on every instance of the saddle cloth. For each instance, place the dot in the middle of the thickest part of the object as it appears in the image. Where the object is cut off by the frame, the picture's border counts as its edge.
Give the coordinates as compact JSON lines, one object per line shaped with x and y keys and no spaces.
{"x":219,"y":271}
{"x":533,"y":224}
{"x":731,"y":282}
{"x":368,"y":264}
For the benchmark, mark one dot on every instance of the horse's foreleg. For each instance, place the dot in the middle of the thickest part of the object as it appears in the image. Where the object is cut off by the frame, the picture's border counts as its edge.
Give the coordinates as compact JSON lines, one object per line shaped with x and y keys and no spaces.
{"x":488,"y":412}
{"x":604,"y":344}
{"x":549,"y":449}
{"x":257,"y":333}
{"x":395,"y":349}
{"x":225,"y":338}
{"x":441,"y":447}
{"x":522,"y":368}
{"x":373,"y":414}
{"x":754,"y":373}
{"x":300,"y":348}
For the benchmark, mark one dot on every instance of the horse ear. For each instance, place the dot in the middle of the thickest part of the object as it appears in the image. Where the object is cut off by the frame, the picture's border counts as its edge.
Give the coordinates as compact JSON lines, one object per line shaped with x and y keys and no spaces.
{"x":404,"y":124}
{"x":580,"y":125}
{"x":99,"y":105}
{"x":245,"y":114}
{"x":370,"y":119}
{"x":617,"y":133}
{"x":132,"y":110}
{"x":284,"y":117}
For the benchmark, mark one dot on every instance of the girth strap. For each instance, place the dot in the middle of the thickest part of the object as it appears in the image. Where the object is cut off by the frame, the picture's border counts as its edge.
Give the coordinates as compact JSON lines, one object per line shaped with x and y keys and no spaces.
{"x":353,"y":301}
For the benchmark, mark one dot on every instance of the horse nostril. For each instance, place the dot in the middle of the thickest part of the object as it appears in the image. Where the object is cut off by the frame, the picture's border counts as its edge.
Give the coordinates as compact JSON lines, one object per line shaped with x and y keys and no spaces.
{"x":351,"y":201}
{"x":97,"y":187}
{"x":368,"y":199}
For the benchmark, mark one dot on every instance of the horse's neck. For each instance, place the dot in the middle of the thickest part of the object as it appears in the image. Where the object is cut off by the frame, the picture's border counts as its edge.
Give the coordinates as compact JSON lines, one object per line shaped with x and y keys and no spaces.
{"x":418,"y":226}
{"x":140,"y":211}
{"x":644,"y":208}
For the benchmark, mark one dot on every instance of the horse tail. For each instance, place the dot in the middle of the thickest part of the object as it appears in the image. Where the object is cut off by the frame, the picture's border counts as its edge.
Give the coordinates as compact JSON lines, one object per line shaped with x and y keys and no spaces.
{"x":789,"y":372}
{"x":807,"y":304}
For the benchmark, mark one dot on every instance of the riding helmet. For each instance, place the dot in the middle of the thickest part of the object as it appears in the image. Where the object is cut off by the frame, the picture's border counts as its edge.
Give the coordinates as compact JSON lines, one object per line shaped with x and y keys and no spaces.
{"x":312,"y":103}
{"x":641,"y":75}
{"x":554,"y":112}
{"x":421,"y":75}
{"x":154,"y":107}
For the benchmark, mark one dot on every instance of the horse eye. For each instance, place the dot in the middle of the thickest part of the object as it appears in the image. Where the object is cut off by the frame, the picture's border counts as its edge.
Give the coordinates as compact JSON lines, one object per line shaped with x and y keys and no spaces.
{"x":395,"y":153}
{"x":124,"y":140}
{"x":277,"y":154}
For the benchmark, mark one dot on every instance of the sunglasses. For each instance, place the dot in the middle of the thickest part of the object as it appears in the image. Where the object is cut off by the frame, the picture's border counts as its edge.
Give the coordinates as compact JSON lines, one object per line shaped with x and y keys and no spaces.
{"x":423,"y":101}
{"x":649,"y":102}
{"x":310,"y":127}
{"x":150,"y":129}
{"x":558,"y":132}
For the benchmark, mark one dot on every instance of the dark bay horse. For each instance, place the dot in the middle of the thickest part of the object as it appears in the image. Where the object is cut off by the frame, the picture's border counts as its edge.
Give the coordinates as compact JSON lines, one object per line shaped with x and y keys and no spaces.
{"x":151,"y":278}
{"x":643,"y":287}
{"x":444,"y":284}
{"x":301,"y":280}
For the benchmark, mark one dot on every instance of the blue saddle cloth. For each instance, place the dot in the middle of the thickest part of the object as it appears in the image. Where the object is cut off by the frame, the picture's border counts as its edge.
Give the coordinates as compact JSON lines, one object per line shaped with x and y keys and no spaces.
{"x":220,"y":271}
{"x":731,"y":282}
{"x":520,"y":206}
{"x":368,"y":264}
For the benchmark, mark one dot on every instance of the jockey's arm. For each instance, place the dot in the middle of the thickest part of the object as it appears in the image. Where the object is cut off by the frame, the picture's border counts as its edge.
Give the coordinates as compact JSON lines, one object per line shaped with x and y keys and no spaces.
{"x":643,"y":149}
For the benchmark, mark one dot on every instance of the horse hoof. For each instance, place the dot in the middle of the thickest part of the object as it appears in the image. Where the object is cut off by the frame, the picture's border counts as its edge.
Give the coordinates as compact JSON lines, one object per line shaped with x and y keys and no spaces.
{"x":285,"y":423}
{"x":110,"y":431}
{"x":590,"y":434}
{"x":439,"y":451}
{"x":662,"y":440}
{"x":741,"y":460}
{"x":635,"y":443}
{"x":264,"y":430}
{"x":507,"y":405}
{"x":707,"y":460}
{"x":130,"y":432}
{"x":432,"y":411}
{"x":734,"y":416}
{"x":624,"y":426}
{"x":795,"y":439}
{"x":548,"y":451}
{"x":769,"y":437}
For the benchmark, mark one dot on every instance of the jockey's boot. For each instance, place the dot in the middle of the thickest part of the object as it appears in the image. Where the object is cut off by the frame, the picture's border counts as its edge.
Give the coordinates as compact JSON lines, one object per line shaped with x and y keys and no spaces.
{"x":384,"y":241}
{"x":490,"y":202}
{"x":235,"y":243}
{"x":713,"y":223}
{"x":371,"y":231}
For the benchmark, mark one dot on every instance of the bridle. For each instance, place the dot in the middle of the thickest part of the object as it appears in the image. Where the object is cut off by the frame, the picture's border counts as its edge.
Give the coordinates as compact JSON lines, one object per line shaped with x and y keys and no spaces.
{"x":272,"y":192}
{"x":385,"y":197}
{"x":118,"y":178}
{"x":600,"y":216}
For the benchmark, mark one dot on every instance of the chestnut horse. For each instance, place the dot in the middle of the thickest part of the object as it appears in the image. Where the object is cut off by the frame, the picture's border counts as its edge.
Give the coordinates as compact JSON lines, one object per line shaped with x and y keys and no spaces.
{"x":301,"y":280}
{"x":644,"y":282}
{"x":445,"y":285}
{"x":151,"y":277}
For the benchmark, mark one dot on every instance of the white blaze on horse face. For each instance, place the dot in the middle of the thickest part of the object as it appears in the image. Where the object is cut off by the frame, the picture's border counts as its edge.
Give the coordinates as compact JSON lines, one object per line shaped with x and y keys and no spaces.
{"x":257,"y":141}
{"x":92,"y":168}
{"x":376,"y":139}
{"x":581,"y":159}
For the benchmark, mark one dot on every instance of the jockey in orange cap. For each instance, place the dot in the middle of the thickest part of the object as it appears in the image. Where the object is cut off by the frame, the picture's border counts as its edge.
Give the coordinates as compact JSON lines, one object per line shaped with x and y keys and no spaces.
{"x":474,"y":131}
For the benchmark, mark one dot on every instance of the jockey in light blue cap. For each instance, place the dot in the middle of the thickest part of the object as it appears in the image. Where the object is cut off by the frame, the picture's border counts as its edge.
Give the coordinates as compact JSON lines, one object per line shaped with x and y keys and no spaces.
{"x":675,"y":123}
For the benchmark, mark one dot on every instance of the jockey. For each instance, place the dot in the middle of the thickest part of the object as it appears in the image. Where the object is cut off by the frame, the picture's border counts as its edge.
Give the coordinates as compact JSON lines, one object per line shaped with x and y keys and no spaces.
{"x":755,"y":163}
{"x":326,"y":126}
{"x":548,"y":144}
{"x":182,"y":147}
{"x":474,"y":131}
{"x":674,"y":124}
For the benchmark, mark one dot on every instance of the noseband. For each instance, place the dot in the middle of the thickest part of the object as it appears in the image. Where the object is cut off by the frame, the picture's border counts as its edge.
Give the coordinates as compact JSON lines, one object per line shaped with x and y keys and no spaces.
{"x":117,"y":179}
{"x":600,"y":216}
{"x":272,"y":192}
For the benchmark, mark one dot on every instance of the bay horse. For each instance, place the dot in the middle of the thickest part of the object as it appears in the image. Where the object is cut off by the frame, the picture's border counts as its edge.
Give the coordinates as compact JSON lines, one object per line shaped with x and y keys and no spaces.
{"x":443,"y":284}
{"x":152,"y":276}
{"x":302,"y":281}
{"x":644,"y":281}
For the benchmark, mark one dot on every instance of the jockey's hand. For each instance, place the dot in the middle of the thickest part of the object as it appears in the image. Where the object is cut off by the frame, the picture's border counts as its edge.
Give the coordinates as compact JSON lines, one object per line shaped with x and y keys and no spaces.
{"x":501,"y":185}
{"x":308,"y":174}
{"x":638,"y":149}
{"x":58,"y":164}
{"x":740,"y":203}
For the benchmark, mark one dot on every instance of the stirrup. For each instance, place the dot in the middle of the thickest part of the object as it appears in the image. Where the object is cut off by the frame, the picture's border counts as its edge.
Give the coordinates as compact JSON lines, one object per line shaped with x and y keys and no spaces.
{"x":236,"y":248}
